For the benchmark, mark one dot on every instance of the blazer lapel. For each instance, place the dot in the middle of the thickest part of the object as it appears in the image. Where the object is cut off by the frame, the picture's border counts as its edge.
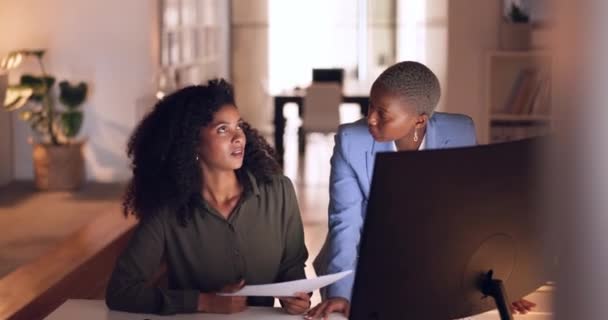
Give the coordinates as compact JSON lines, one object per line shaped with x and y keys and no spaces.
{"x":369,"y":164}
{"x":370,"y":156}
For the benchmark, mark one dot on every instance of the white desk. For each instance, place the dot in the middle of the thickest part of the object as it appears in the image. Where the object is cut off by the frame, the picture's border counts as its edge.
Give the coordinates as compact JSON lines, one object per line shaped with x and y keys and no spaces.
{"x":97,"y":310}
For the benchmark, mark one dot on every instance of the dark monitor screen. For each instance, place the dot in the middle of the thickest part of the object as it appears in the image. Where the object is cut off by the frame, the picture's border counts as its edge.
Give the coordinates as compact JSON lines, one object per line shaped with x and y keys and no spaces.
{"x":439,"y":220}
{"x":328,"y":75}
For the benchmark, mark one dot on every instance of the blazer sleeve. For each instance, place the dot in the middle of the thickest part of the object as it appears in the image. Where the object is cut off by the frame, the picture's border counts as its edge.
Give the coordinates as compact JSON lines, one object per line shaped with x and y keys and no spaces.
{"x":345,"y":218}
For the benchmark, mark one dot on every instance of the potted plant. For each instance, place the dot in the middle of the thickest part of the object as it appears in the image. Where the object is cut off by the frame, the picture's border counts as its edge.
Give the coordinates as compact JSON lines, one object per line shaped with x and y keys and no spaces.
{"x":516,"y":30}
{"x":57,"y":154}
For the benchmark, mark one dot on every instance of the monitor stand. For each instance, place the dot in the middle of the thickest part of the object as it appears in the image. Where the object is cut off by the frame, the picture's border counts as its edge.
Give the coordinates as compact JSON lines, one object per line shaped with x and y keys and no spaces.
{"x":496,"y":289}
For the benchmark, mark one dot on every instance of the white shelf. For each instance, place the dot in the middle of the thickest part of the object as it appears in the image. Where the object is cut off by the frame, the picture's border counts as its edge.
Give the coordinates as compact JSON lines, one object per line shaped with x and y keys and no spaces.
{"x":503,"y":69}
{"x":522,"y":54}
{"x":520,"y":117}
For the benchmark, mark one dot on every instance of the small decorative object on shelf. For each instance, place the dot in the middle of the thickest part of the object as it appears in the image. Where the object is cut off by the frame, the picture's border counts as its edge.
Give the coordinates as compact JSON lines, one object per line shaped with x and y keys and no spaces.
{"x":516,"y":30}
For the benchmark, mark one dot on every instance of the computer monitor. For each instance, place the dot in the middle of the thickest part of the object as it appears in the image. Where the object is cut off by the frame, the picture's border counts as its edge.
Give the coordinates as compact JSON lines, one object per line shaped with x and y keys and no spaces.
{"x":328,"y":75}
{"x":439,"y":221}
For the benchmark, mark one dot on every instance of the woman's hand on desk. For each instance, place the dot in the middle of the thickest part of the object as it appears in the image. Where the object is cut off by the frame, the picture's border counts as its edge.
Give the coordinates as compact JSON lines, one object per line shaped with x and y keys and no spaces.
{"x":323,"y":309}
{"x":213,"y":303}
{"x":296,"y":305}
{"x":522,"y":306}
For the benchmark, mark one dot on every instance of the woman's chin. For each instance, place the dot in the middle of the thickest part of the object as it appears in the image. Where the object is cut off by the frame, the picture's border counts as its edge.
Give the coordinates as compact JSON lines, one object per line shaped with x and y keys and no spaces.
{"x":231,"y":164}
{"x":237,"y":164}
{"x":377,"y":136}
{"x":380,"y":138}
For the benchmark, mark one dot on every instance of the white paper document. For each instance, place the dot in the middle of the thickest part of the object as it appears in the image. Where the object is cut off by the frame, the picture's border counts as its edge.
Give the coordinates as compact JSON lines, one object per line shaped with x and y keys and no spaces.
{"x":289,"y":288}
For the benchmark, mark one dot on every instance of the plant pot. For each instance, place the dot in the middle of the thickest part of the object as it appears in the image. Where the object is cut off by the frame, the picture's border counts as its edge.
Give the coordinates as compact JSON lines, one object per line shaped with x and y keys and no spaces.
{"x":515,"y":36}
{"x":58,"y":167}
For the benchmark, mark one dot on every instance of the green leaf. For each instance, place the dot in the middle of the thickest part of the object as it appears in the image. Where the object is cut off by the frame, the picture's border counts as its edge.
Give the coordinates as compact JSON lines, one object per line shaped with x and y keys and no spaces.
{"x":72,"y":95}
{"x":71,"y":122}
{"x":39,"y":53}
{"x":11,"y":61}
{"x":16,"y":97}
{"x":38,"y":85}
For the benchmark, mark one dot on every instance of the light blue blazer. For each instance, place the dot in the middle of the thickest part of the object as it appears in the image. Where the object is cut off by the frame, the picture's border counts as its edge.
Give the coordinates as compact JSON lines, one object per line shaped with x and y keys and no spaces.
{"x":352,"y":165}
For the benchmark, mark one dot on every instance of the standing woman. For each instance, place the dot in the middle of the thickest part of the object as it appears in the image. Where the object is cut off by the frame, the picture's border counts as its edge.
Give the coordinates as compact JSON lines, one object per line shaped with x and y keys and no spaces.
{"x":401,"y":117}
{"x":212,"y":205}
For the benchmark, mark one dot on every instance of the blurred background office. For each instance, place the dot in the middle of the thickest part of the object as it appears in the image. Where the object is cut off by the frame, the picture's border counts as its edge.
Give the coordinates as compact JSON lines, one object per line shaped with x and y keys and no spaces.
{"x":299,"y":67}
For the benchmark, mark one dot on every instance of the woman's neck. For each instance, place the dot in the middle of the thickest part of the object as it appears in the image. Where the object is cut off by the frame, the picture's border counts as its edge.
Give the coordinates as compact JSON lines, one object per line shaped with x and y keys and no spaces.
{"x":407,"y":143}
{"x":219,"y":186}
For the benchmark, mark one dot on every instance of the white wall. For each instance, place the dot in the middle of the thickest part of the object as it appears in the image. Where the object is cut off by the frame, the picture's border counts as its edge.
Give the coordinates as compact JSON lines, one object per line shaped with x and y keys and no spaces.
{"x":472,"y":31}
{"x":249,"y":61}
{"x":110,"y":44}
{"x":422,"y":35}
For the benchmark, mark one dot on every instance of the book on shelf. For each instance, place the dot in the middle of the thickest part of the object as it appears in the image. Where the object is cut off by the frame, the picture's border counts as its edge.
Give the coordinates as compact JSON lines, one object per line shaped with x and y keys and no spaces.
{"x":530,"y":93}
{"x":542,"y":103}
{"x":534,"y":98}
{"x":515,"y":88}
{"x":526,"y":93}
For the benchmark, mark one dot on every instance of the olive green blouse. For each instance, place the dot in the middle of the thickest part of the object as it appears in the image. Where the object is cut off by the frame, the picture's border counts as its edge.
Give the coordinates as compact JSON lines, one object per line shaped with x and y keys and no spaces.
{"x":261,"y":242}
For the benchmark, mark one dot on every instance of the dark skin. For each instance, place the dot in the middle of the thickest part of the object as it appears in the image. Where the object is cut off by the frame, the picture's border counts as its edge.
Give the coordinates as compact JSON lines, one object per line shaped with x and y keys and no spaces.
{"x":298,"y":304}
{"x":220,"y":153}
{"x":391,"y":118}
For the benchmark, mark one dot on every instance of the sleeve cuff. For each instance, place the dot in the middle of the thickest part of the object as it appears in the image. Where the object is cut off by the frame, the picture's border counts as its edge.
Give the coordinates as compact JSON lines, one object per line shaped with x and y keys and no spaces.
{"x":342,"y":288}
{"x":179,"y":301}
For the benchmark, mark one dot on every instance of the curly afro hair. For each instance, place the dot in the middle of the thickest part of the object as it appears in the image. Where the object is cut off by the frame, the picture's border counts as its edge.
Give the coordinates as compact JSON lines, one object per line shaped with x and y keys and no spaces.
{"x":162,"y":150}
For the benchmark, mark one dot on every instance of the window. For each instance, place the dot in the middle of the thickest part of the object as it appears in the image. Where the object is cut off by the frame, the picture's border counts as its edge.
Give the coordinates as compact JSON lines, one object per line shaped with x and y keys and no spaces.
{"x":307,"y":34}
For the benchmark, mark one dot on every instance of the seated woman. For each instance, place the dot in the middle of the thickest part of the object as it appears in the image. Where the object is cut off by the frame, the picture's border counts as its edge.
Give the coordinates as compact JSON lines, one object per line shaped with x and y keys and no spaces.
{"x":401,"y":117}
{"x":212,"y":205}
